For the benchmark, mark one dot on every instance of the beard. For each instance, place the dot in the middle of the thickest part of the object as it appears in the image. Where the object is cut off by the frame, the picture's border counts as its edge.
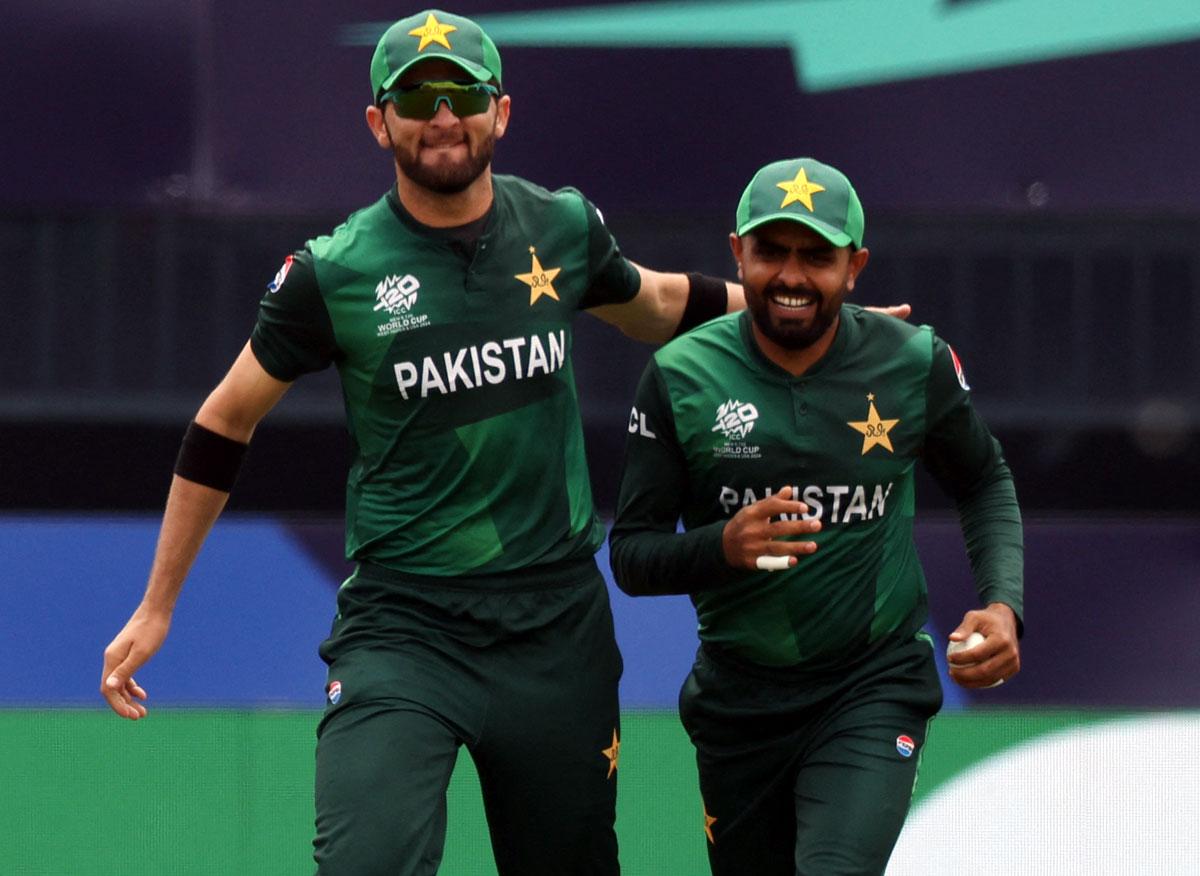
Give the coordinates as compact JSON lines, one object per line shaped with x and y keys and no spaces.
{"x":446,"y":177}
{"x":792,"y":334}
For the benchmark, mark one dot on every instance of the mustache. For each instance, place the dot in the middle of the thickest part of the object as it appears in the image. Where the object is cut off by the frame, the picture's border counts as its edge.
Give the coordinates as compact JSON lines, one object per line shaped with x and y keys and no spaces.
{"x":433,"y":140}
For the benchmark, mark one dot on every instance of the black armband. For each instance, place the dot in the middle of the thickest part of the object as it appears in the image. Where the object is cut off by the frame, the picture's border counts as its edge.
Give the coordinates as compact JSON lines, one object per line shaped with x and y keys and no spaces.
{"x":208,"y":458}
{"x":707,"y":298}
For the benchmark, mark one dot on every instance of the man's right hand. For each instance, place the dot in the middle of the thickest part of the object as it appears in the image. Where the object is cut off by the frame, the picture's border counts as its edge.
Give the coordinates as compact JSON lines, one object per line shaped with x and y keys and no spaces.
{"x":137,"y":642}
{"x":752,"y":533}
{"x":900,"y":311}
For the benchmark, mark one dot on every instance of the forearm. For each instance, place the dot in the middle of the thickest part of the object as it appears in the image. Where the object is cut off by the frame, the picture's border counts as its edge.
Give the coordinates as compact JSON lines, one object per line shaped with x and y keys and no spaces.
{"x":647,"y":562}
{"x":207,"y":466}
{"x":991,"y":525}
{"x":191,"y":511}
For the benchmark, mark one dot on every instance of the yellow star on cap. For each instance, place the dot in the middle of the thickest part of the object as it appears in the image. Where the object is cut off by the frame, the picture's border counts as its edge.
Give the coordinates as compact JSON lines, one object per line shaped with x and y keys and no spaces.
{"x":799,"y":189}
{"x":709,"y":821}
{"x":613,"y":753}
{"x":874,"y":429}
{"x":540,"y":280}
{"x":433,"y":31}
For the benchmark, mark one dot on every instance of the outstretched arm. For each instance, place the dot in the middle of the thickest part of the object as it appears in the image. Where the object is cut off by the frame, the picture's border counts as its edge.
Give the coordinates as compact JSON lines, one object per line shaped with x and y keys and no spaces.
{"x":654,"y":314}
{"x":233,"y":410}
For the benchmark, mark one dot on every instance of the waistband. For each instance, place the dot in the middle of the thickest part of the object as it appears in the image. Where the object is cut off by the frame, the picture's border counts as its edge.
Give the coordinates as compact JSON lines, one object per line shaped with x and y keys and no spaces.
{"x":549,"y":576}
{"x":837,"y":667}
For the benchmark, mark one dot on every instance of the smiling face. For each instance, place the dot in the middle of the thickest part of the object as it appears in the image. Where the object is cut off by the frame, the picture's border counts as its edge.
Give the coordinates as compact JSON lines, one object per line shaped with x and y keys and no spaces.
{"x":444,"y":154}
{"x":795,"y":282}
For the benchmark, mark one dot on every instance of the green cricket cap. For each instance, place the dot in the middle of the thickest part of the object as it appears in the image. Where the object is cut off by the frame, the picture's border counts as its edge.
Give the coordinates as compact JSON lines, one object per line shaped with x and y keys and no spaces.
{"x":433,"y":34}
{"x":806,"y":191}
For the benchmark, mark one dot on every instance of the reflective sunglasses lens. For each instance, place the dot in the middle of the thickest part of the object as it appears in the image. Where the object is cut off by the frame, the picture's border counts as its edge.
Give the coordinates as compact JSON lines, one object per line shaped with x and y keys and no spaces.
{"x":423,"y":103}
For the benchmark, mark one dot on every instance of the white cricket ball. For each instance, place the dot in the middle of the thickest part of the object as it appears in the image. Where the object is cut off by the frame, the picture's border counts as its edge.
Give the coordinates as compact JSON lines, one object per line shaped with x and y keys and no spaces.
{"x":966,"y":645}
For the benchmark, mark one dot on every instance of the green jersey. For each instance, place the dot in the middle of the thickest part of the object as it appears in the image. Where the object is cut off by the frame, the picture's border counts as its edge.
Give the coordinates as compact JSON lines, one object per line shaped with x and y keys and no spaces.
{"x":454,"y":353}
{"x":718,"y":426}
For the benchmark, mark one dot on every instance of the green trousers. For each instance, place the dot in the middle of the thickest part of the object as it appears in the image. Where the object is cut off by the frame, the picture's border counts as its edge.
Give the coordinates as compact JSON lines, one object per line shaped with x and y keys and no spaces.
{"x":522,"y":670}
{"x":808,"y":775}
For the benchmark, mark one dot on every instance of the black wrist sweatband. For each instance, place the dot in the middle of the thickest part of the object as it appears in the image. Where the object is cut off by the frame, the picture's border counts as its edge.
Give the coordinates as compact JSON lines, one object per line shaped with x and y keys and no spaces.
{"x":208,"y":458}
{"x":707,"y":298}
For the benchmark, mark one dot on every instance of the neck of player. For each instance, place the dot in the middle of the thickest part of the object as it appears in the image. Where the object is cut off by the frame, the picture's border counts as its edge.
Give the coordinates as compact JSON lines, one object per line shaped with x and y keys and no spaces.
{"x":439,"y":210}
{"x":796,"y":362}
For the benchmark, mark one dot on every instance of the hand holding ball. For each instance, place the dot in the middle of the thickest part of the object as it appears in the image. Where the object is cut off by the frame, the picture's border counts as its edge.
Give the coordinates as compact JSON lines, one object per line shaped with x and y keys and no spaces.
{"x":967,"y":644}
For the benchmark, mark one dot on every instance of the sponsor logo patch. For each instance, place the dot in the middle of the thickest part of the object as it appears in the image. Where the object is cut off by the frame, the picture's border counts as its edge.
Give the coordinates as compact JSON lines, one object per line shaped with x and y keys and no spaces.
{"x":735,"y":421}
{"x":637,"y":424}
{"x":334,"y":692}
{"x":905,"y":745}
{"x":397,"y":295}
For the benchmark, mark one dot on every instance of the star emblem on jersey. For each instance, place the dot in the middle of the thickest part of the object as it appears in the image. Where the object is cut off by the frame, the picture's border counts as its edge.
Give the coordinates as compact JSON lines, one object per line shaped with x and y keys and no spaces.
{"x":613,"y":753}
{"x":800,"y":189}
{"x":874,"y":428}
{"x":539,"y":280}
{"x":709,"y":821}
{"x":433,"y":31}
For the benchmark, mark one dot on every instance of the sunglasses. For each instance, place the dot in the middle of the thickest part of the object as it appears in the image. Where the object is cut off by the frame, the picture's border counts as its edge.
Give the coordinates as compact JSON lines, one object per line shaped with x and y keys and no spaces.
{"x":421,"y":101}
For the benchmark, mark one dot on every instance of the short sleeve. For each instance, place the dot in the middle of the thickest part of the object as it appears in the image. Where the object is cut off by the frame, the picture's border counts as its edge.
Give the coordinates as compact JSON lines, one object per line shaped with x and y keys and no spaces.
{"x":612,"y":278}
{"x":293,"y":334}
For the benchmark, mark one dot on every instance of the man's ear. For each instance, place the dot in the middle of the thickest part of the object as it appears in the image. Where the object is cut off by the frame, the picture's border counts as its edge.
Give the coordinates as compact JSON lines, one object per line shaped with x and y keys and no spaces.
{"x":735,"y":246}
{"x":377,"y":122}
{"x":858,"y":261}
{"x":503,"y":112}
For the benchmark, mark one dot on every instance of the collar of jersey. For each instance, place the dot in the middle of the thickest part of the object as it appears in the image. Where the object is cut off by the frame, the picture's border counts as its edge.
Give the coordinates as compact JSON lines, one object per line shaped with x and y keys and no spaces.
{"x":846,"y":326}
{"x":443,"y":235}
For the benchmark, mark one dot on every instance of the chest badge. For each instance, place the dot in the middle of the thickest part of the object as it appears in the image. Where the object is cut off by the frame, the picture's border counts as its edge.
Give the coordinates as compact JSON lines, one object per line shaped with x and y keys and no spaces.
{"x":539,"y":280}
{"x":874,"y":428}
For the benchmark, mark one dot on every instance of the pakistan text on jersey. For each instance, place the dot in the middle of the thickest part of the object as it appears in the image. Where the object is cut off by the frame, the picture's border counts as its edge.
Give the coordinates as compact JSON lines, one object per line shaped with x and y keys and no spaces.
{"x":491,"y":362}
{"x":816,"y":498}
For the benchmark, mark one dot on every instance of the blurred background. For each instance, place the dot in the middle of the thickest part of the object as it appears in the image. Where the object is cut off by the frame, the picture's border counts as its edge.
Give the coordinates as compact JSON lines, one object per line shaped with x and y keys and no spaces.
{"x":1028,"y":174}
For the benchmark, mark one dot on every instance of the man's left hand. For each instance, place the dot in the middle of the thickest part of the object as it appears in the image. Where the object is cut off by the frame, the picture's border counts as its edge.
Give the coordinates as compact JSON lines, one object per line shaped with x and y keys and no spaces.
{"x":997,"y":658}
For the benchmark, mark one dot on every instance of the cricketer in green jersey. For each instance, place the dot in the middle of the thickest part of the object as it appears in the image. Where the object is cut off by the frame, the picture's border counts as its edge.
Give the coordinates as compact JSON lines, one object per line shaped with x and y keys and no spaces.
{"x":784,"y":438}
{"x":476,"y":614}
